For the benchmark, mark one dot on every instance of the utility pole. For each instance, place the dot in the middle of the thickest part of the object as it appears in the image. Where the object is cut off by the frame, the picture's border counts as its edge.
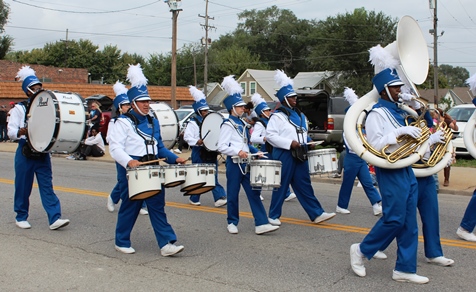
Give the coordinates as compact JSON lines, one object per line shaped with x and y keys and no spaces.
{"x":433,"y":5}
{"x":174,"y":4}
{"x":66,"y":49}
{"x":207,"y":28}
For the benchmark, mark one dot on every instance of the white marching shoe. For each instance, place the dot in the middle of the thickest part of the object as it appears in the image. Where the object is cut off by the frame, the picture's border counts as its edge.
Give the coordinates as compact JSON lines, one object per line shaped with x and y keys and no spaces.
{"x":265,"y":228}
{"x":144,"y":211}
{"x":110,"y":204}
{"x":275,"y":222}
{"x":377,"y":208}
{"x":290,"y":197}
{"x":23,"y":224}
{"x":440,"y":261}
{"x":466,"y":235}
{"x":409,"y":277}
{"x":171,"y":249}
{"x":324,"y":217}
{"x":380,"y":255}
{"x":342,"y":210}
{"x":357,"y":260}
{"x":127,"y":250}
{"x":221,"y":202}
{"x":232,"y":228}
{"x":59,"y":224}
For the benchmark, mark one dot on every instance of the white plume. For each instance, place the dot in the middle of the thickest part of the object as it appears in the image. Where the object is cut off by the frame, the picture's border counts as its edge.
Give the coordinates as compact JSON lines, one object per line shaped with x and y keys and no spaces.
{"x":471,"y":81}
{"x":231,"y":86}
{"x":135,"y":76}
{"x":257,"y":99}
{"x":282,"y":79}
{"x":119,"y":88}
{"x":24,"y":72}
{"x":196,"y":93}
{"x":350,"y":95}
{"x":381,"y":59}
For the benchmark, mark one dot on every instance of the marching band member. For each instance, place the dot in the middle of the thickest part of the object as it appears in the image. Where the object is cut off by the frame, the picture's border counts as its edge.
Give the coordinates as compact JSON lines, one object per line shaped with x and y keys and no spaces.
{"x":28,"y":163}
{"x":263,"y":112}
{"x":398,"y":187}
{"x":354,"y":166}
{"x":287,"y":133}
{"x":234,"y":141}
{"x":122,"y":105}
{"x":199,"y":153}
{"x":466,"y":228}
{"x":135,"y":138}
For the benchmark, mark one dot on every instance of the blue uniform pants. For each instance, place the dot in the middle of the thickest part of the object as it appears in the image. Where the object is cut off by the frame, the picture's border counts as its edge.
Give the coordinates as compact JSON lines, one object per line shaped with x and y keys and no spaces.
{"x":469,"y":218}
{"x":399,"y":191}
{"x":354,"y":166}
{"x":218,"y":191}
{"x":129,"y":210}
{"x":235,"y":178}
{"x":116,"y":191}
{"x":297,"y":174}
{"x":25,"y":171}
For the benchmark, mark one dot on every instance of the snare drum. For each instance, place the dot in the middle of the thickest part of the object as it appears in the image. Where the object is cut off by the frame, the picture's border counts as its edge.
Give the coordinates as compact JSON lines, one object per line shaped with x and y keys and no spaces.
{"x":210,"y":130}
{"x":56,"y":121}
{"x":195,"y":177}
{"x":144,"y":182}
{"x":322,"y":161}
{"x":174,"y":175}
{"x":265,"y":174}
{"x":168,"y":122}
{"x":209,"y":181}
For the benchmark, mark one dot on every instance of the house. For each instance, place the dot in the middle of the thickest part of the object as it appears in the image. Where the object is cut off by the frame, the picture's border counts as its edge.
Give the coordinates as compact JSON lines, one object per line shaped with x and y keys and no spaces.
{"x":262,"y":82}
{"x":458,"y":95}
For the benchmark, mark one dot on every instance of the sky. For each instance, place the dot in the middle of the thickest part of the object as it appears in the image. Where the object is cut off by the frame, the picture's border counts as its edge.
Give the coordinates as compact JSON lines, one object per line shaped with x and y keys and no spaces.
{"x":145,"y":26}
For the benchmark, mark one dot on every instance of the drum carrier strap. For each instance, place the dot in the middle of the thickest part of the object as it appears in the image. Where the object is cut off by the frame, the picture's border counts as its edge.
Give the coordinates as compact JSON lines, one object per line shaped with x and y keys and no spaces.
{"x":26,"y":150}
{"x":147,"y":157}
{"x":300,"y":153}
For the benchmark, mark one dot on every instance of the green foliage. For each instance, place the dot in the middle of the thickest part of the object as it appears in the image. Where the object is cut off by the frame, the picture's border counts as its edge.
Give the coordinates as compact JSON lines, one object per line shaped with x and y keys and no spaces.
{"x":455,"y":76}
{"x":6,"y":41}
{"x":344,"y":41}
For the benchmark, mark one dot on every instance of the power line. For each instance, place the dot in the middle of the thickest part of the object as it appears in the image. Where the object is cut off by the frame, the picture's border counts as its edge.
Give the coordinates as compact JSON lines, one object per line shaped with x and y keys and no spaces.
{"x":85,"y":12}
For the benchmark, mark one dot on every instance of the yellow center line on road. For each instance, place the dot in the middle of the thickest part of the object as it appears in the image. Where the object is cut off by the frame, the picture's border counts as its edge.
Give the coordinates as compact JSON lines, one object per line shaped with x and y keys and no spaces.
{"x":326,"y":225}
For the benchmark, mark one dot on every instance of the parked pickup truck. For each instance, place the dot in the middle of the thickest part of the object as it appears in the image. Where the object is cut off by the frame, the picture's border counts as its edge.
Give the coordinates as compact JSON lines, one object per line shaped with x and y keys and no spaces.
{"x":325,"y":114}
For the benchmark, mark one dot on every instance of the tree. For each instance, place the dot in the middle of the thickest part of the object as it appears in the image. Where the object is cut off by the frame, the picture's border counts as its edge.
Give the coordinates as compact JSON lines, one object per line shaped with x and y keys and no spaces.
{"x":456,"y":76}
{"x":278,"y":37}
{"x":6,"y":41}
{"x":343,"y":44}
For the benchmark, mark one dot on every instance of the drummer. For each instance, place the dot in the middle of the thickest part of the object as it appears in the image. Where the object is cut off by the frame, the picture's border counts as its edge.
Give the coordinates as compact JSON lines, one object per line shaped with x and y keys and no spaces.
{"x":135,"y":138}
{"x":199,"y":152}
{"x":287,"y":133}
{"x":258,"y":135}
{"x":234,"y":142}
{"x":27,"y":165}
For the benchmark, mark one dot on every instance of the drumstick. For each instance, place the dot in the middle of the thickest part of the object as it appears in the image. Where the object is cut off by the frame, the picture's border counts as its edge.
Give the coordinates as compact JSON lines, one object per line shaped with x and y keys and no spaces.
{"x":153,"y":161}
{"x":206,"y":135}
{"x":261,"y":153}
{"x":315,"y":142}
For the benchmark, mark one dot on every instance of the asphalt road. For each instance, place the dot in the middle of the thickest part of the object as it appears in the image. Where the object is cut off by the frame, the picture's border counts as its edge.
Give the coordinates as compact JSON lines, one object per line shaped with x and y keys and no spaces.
{"x":300,"y":256}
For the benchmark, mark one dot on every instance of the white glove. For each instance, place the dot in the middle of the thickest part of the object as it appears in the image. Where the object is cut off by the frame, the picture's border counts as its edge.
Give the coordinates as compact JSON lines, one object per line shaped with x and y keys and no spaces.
{"x":437,"y":137}
{"x":415,"y":132}
{"x":414,"y":104}
{"x":406,"y":96}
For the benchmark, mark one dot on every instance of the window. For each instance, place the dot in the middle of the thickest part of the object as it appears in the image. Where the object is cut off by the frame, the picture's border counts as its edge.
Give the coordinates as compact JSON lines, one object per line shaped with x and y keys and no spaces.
{"x":243,"y":85}
{"x":252,"y":87}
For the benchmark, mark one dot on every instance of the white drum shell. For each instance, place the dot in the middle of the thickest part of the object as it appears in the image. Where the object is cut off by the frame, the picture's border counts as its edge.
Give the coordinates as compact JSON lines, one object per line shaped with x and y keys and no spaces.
{"x":195,"y":177}
{"x":174,"y":175}
{"x":56,"y":121}
{"x":265,"y":174}
{"x":144,"y":182}
{"x":168,"y":122}
{"x":210,"y":130}
{"x":322,"y":161}
{"x":209,"y":180}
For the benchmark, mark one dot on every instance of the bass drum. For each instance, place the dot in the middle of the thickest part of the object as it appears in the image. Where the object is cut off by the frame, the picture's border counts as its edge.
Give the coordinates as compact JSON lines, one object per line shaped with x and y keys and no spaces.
{"x":56,"y":121}
{"x":168,"y":121}
{"x":210,"y":130}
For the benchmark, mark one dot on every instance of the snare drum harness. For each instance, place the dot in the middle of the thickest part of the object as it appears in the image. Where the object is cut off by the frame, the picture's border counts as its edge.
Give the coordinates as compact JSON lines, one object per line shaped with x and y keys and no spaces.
{"x":242,"y":130}
{"x":147,"y":142}
{"x":292,"y":119}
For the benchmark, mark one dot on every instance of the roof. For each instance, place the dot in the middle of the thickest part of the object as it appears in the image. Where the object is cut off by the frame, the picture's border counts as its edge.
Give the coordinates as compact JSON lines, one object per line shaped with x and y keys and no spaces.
{"x":12,"y":90}
{"x":310,"y":79}
{"x":265,"y":79}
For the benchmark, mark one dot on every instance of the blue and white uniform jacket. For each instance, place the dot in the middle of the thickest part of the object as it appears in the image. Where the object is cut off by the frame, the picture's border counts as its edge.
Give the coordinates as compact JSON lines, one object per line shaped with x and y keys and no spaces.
{"x":234,"y":137}
{"x":281,"y":131}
